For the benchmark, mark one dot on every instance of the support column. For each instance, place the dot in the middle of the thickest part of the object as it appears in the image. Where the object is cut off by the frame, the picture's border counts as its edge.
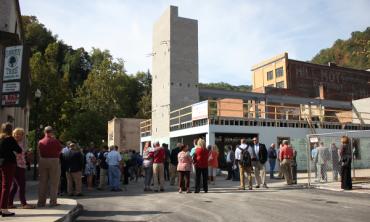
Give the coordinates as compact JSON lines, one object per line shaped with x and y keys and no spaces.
{"x":210,"y":138}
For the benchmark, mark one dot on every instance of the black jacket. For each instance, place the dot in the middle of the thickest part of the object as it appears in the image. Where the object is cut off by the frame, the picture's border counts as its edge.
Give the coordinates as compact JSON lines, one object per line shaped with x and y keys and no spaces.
{"x":174,"y":153}
{"x":103,"y":160}
{"x":8,"y":146}
{"x":262,"y":154}
{"x":272,"y":153}
{"x":74,"y":161}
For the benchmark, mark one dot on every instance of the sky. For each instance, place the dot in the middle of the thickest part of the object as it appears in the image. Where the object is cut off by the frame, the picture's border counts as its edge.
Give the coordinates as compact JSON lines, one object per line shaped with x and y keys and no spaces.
{"x":233,"y":35}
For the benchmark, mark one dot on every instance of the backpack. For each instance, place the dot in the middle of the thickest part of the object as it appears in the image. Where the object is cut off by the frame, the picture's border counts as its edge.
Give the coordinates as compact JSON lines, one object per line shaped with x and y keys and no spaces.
{"x":245,"y":158}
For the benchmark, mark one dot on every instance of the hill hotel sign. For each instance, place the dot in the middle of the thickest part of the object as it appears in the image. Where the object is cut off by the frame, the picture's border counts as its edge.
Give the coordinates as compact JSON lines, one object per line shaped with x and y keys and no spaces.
{"x":11,"y":93}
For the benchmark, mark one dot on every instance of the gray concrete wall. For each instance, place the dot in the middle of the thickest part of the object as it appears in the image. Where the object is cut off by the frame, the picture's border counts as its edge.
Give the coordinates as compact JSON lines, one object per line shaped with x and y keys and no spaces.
{"x":184,"y":62}
{"x":175,"y":69}
{"x":161,"y":75}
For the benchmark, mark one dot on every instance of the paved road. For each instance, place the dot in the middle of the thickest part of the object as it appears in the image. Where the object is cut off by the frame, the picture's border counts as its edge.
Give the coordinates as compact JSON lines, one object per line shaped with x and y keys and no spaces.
{"x":225,"y":203}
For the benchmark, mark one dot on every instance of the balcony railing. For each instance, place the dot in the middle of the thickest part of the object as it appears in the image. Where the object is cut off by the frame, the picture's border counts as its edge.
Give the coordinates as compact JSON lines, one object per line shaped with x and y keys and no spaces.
{"x":251,"y":113}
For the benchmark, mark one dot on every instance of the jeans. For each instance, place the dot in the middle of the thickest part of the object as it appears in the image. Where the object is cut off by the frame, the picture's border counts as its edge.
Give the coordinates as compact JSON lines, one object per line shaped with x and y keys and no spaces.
{"x":272,"y":163}
{"x":148,"y":176}
{"x":114,"y":176}
{"x":322,"y":172}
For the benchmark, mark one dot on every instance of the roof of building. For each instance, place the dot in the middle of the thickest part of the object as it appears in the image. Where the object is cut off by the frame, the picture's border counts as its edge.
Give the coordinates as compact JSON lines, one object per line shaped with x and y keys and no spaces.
{"x":222,"y":94}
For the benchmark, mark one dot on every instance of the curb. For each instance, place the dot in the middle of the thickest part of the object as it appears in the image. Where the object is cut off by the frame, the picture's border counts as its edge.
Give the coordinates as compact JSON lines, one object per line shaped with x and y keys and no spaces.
{"x":72,"y":215}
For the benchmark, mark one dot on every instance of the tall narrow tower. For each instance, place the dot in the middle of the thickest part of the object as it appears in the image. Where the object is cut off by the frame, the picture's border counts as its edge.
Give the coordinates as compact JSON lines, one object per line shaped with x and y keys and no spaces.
{"x":175,"y":69}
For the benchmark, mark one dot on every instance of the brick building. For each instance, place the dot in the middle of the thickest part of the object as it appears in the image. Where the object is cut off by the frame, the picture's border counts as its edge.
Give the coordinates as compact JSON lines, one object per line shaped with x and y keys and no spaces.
{"x":284,"y":76}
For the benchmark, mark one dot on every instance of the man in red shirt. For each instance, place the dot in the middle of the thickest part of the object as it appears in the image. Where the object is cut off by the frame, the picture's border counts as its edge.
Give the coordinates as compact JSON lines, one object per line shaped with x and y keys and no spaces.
{"x":49,"y":167}
{"x":285,"y":157}
{"x":158,"y":166}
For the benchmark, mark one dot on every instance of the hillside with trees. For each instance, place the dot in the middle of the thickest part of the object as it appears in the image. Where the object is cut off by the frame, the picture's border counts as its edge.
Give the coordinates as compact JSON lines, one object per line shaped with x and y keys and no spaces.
{"x":81,"y":90}
{"x":352,"y":53}
{"x":226,"y":86}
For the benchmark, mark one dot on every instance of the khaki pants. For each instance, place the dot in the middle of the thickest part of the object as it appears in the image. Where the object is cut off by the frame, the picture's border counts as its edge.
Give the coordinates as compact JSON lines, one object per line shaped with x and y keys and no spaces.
{"x":158,"y":175}
{"x":103,"y":178}
{"x":173,"y":174}
{"x":49,"y":176}
{"x":259,"y":172}
{"x":242,"y":171}
{"x":287,"y":170}
{"x":76,"y":178}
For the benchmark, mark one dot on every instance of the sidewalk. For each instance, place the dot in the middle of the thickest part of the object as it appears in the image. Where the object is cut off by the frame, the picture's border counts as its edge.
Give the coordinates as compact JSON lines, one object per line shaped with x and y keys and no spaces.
{"x":362,"y":187}
{"x":66,"y":211}
{"x":359,"y":185}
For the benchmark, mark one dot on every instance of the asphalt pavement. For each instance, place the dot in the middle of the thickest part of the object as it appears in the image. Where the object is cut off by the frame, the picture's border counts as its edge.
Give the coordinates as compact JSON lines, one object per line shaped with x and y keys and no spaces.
{"x":224,"y":202}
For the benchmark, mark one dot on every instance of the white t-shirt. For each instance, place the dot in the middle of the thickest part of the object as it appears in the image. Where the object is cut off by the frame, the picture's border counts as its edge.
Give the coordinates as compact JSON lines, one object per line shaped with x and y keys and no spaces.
{"x":238,"y":151}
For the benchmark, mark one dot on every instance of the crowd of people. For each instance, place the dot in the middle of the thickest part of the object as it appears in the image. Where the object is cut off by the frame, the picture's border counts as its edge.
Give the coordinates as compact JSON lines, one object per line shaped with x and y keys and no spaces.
{"x":339,"y":158}
{"x":63,"y":170}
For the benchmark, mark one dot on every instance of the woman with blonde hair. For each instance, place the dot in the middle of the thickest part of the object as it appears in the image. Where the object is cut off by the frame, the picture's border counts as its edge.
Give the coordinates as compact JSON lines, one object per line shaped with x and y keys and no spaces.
{"x":345,"y":162}
{"x":19,"y":182}
{"x":213,"y":164}
{"x":201,"y":166}
{"x":8,"y":164}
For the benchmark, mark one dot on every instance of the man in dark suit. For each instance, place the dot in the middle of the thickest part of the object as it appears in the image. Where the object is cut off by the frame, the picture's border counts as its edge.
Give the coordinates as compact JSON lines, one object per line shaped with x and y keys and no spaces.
{"x":258,"y":154}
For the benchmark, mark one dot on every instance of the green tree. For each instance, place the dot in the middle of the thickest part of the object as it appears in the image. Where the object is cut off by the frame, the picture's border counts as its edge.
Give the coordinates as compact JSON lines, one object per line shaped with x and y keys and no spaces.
{"x":352,"y":53}
{"x":36,"y":35}
{"x":45,"y":77}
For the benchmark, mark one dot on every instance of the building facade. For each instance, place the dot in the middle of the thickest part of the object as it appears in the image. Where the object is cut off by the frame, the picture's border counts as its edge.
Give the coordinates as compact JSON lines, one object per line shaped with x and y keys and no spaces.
{"x":11,"y":34}
{"x":124,"y":133}
{"x":281,"y":75}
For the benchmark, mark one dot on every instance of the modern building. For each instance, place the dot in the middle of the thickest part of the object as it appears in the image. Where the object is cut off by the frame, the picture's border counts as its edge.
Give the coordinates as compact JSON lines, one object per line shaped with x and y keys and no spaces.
{"x":284,"y":76}
{"x":14,"y":72}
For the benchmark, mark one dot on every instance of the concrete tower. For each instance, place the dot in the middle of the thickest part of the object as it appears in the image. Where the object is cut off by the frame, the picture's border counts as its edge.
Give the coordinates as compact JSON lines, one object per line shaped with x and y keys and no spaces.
{"x":175,"y":69}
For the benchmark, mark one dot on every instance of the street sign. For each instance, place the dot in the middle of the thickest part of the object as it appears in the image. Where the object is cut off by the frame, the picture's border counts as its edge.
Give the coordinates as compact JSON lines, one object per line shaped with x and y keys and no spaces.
{"x":10,"y":99}
{"x":9,"y":87}
{"x":13,"y":63}
{"x":314,"y":139}
{"x":15,"y":77}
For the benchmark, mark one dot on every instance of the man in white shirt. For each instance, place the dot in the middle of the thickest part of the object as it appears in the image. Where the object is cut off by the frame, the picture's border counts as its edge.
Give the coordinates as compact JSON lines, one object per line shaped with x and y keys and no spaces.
{"x":242,"y":169}
{"x":114,"y":172}
{"x":67,"y":147}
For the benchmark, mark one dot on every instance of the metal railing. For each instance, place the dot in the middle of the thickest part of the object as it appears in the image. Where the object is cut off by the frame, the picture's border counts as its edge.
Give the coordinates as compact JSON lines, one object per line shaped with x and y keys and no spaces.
{"x":252,"y":113}
{"x":146,"y":128}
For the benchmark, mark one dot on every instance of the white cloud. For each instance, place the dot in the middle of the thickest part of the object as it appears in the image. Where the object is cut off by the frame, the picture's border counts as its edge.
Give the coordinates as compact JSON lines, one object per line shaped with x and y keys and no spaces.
{"x":233,"y":35}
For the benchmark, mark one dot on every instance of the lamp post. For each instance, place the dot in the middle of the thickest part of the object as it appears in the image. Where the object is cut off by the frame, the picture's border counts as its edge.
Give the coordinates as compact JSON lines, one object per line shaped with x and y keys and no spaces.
{"x":37,"y":100}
